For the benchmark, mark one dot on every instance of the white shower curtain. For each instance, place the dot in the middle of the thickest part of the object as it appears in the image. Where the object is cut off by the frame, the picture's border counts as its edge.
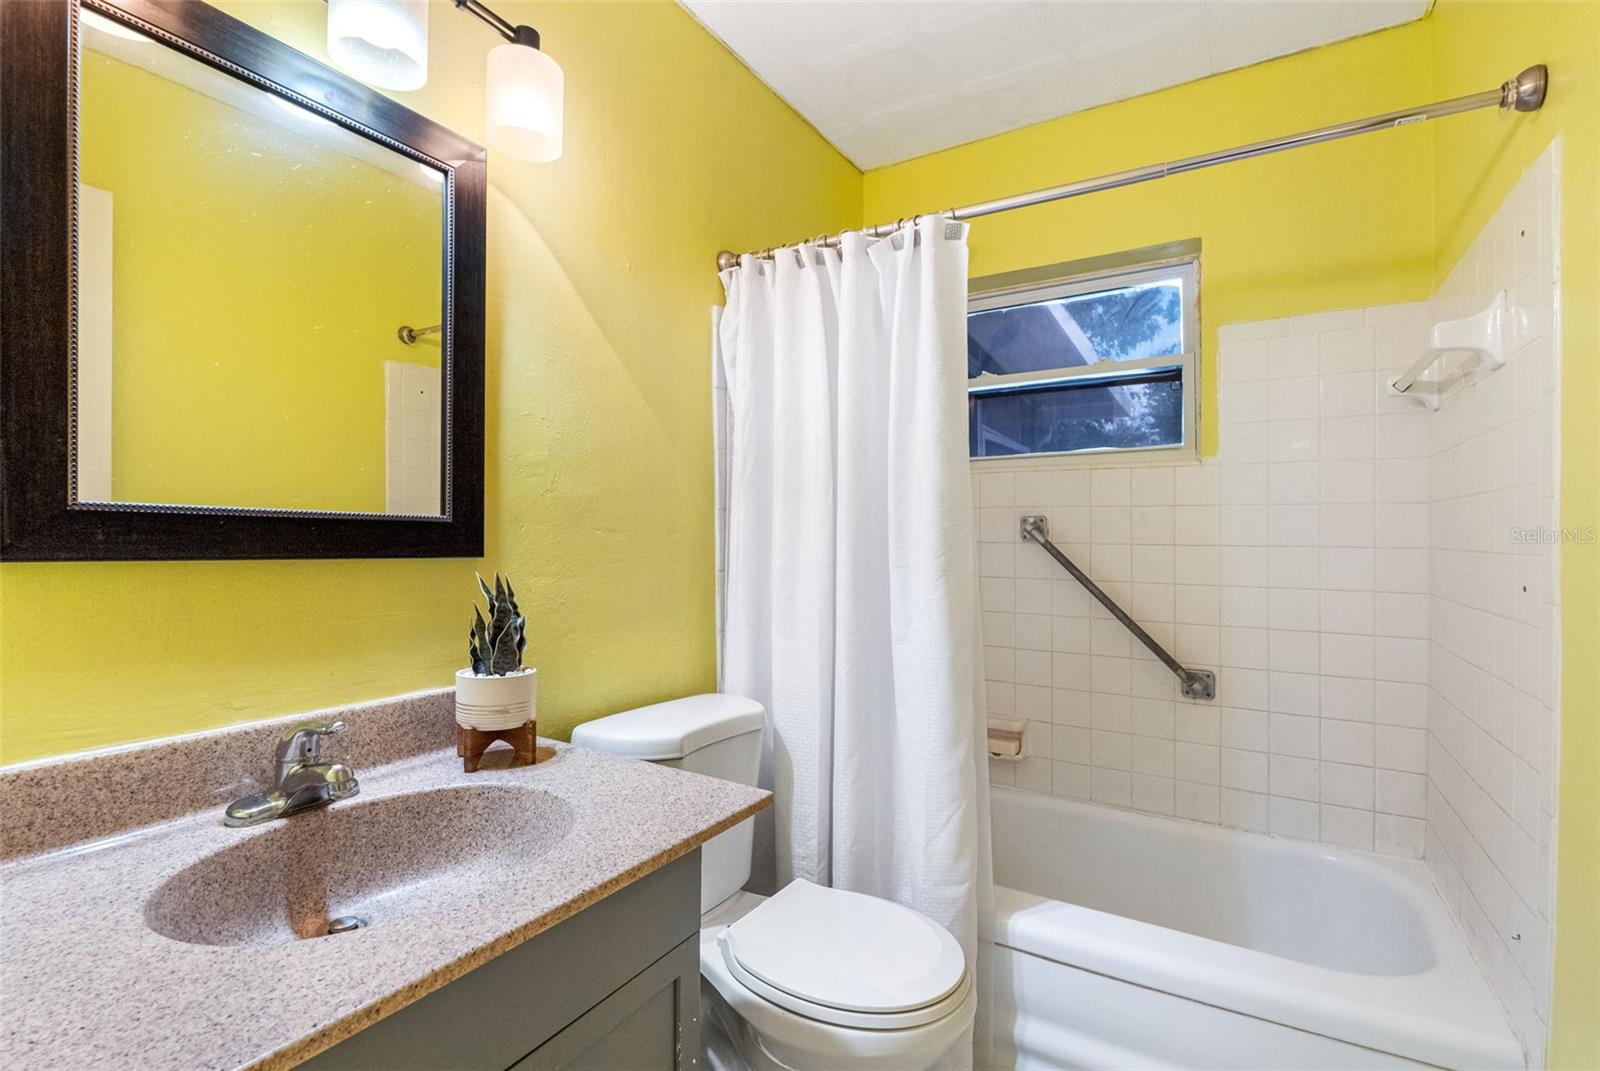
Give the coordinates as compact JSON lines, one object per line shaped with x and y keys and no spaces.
{"x":850,"y":602}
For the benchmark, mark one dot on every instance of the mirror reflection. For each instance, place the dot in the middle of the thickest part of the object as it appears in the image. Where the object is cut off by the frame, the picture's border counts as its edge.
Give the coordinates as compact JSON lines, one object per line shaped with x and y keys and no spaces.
{"x":259,"y":294}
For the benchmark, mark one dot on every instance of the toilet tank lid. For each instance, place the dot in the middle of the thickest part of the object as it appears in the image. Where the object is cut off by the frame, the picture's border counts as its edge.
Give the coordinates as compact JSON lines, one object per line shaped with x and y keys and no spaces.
{"x":672,"y":729}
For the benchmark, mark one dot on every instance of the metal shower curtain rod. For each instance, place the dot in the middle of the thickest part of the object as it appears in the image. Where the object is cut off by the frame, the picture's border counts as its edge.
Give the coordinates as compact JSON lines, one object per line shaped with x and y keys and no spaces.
{"x":1524,"y":93}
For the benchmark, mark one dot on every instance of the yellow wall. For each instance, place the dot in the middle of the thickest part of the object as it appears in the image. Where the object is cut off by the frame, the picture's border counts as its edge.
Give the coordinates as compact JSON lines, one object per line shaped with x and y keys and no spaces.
{"x":1330,"y":226}
{"x":249,"y":346}
{"x":1477,"y":159}
{"x":599,"y":494}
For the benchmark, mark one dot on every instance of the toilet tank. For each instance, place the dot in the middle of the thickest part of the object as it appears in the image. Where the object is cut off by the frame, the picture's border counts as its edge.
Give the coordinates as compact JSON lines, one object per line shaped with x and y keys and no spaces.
{"x":715,"y":735}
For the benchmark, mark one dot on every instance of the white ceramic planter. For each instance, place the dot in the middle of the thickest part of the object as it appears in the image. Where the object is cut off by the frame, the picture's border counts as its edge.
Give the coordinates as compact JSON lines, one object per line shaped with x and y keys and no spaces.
{"x":492,"y":703}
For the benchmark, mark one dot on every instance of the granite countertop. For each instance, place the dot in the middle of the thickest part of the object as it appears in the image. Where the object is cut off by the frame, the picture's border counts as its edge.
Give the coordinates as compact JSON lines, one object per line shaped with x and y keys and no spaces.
{"x":88,"y":984}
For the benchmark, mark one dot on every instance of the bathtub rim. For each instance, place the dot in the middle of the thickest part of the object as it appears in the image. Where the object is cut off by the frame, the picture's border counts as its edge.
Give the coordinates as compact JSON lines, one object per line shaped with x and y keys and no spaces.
{"x":1444,"y":1015}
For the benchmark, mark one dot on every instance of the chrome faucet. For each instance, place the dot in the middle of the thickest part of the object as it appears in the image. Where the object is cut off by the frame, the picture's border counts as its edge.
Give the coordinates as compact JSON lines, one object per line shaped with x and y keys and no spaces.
{"x":304,"y":780}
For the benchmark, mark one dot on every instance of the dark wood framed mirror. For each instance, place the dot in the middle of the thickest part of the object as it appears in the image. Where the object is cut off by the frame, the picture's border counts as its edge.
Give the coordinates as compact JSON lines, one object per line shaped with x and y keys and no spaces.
{"x":241,"y":298}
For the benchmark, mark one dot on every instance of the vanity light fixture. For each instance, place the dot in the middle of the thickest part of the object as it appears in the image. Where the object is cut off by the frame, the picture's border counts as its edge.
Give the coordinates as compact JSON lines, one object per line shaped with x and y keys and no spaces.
{"x":385,"y":43}
{"x":524,"y":101}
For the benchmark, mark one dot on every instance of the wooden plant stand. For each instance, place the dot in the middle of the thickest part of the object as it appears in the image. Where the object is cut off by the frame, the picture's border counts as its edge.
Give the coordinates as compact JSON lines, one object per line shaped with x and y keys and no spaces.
{"x":472,"y":743}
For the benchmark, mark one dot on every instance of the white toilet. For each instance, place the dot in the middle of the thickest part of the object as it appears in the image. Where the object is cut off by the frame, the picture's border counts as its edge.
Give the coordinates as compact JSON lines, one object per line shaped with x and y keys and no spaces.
{"x":812,"y":978}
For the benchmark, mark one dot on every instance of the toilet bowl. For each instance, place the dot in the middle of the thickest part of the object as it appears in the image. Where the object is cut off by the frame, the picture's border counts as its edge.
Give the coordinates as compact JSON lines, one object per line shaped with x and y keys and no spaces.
{"x":811,"y":978}
{"x":819,"y":978}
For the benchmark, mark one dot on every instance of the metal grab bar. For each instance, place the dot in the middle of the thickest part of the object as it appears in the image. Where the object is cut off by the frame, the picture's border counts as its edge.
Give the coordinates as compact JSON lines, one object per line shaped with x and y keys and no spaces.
{"x":1196,"y":683}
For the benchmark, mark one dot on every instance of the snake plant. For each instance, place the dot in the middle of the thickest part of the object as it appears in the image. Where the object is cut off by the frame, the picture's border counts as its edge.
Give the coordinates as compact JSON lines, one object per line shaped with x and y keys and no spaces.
{"x":496,"y":645}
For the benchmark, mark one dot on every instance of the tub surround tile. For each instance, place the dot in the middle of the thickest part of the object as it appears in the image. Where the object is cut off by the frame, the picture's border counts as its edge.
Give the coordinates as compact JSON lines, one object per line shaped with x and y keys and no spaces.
{"x":74,"y":929}
{"x":1197,"y":803}
{"x":1247,"y":730}
{"x":1072,"y":780}
{"x":1244,"y":770}
{"x":1349,"y":563}
{"x":1152,"y":794}
{"x":1401,"y":794}
{"x":1347,"y":827}
{"x":1293,"y":778}
{"x":1244,"y":810}
{"x":1385,"y":645}
{"x":1111,"y":786}
{"x":1297,"y":563}
{"x":1475,"y":733}
{"x":1294,"y":818}
{"x":1395,"y":835}
{"x":1348,"y":786}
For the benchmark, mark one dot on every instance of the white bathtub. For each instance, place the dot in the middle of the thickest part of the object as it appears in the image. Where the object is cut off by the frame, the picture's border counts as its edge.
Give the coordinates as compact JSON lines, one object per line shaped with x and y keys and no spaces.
{"x":1126,"y":941}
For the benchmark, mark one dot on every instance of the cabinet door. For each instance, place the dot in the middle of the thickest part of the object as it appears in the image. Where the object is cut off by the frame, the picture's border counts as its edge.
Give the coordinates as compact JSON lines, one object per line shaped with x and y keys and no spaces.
{"x":650,"y":1024}
{"x":494,"y":1016}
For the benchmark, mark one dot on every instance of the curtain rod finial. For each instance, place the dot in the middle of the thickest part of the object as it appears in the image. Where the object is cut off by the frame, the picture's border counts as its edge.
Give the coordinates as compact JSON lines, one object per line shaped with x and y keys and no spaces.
{"x":727,"y":259}
{"x":1525,"y":92}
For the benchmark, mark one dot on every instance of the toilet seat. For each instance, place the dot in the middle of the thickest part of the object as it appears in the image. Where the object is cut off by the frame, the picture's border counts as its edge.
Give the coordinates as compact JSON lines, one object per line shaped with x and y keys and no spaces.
{"x":844,"y":958}
{"x":769,"y":1037}
{"x":823,"y":1013}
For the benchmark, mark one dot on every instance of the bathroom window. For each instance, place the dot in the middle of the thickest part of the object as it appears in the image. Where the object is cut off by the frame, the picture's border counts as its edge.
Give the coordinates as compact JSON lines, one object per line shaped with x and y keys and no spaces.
{"x":1095,"y":357}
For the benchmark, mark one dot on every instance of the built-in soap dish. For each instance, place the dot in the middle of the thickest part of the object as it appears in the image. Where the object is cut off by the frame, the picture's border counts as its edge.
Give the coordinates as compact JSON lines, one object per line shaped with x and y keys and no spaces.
{"x":1483,"y":337}
{"x":1007,"y":739}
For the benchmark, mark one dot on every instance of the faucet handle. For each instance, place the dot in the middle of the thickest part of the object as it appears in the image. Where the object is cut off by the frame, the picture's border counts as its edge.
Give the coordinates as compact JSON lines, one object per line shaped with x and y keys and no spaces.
{"x":303,"y":743}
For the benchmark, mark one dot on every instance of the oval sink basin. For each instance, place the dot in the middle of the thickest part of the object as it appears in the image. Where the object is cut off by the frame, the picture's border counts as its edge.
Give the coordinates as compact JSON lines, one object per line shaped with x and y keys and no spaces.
{"x":365,"y":860}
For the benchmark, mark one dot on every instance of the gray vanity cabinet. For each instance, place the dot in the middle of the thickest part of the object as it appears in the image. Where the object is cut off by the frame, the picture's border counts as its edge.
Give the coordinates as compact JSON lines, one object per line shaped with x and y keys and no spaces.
{"x":615,"y":986}
{"x":641,"y":1027}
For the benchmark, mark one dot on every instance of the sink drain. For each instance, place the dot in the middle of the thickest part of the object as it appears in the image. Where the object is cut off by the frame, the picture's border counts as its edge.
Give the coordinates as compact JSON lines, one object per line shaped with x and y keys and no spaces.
{"x":345,"y":923}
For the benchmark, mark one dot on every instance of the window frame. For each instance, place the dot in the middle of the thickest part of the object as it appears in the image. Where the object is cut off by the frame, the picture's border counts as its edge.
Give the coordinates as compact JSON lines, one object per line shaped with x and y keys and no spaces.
{"x":1093,"y":275}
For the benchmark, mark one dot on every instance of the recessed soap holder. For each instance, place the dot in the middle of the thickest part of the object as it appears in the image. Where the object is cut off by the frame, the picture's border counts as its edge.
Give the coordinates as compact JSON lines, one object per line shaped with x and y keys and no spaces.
{"x":1482,"y":335}
{"x":1008,"y":739}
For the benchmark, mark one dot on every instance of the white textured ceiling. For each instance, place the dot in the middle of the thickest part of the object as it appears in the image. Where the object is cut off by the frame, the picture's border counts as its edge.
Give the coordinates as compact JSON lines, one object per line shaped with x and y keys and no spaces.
{"x":886,"y":80}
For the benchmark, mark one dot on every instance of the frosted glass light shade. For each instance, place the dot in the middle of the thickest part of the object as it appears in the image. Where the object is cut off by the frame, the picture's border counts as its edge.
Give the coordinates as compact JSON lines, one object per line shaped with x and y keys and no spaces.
{"x":381,"y":42}
{"x":525,"y":101}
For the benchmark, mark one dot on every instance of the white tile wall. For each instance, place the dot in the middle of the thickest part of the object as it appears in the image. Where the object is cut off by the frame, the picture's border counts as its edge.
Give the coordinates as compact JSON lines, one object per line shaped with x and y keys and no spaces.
{"x":1493,"y":607}
{"x":1385,"y":651}
{"x":1295,"y":564}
